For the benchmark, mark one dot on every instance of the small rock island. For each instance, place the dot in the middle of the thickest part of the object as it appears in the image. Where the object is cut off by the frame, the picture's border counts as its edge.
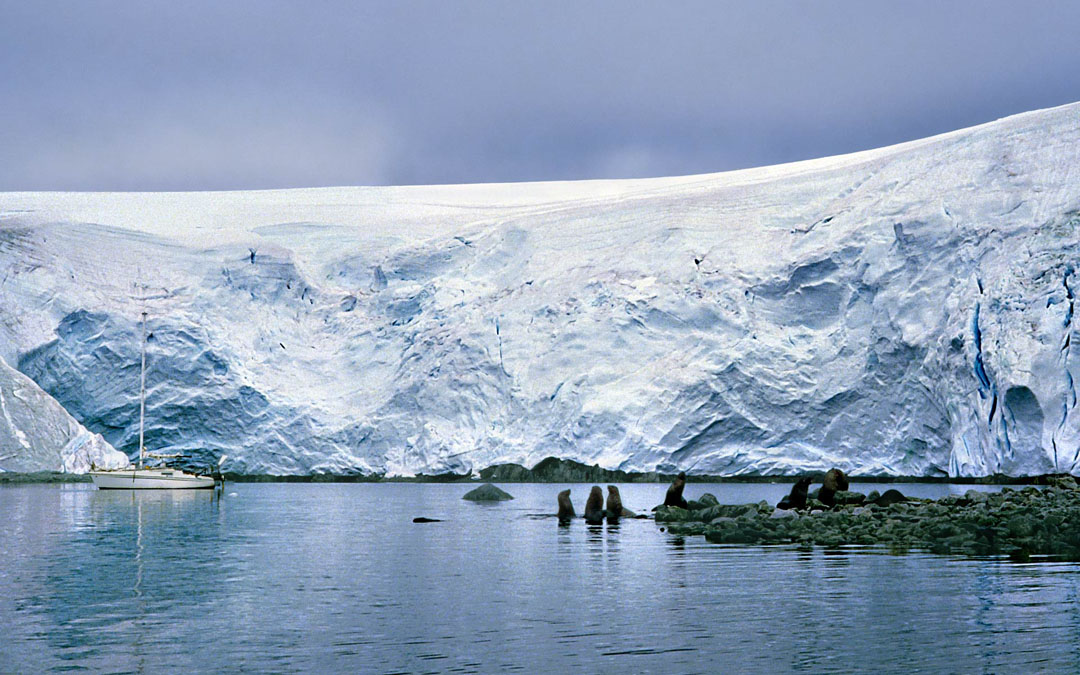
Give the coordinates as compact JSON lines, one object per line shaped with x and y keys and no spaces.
{"x":487,"y":493}
{"x":1017,"y":523}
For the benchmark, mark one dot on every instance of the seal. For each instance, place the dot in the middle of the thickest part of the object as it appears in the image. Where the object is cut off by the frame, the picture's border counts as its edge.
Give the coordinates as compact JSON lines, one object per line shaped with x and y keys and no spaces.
{"x":614,"y":504}
{"x":594,"y":507}
{"x":674,"y":492}
{"x":566,"y":508}
{"x":834,"y":481}
{"x":796,"y":499}
{"x":890,"y":497}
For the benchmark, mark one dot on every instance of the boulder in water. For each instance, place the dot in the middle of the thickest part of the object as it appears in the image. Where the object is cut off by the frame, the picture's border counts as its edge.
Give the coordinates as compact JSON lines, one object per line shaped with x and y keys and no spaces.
{"x":487,"y":493}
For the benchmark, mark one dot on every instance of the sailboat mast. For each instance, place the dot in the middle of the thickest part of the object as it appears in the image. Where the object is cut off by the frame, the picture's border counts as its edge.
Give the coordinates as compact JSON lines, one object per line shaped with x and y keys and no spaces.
{"x":142,"y":393}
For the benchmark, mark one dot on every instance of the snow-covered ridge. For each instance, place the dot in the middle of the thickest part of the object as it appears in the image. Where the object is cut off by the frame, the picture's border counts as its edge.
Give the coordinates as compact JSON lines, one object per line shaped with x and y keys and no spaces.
{"x":907,"y":310}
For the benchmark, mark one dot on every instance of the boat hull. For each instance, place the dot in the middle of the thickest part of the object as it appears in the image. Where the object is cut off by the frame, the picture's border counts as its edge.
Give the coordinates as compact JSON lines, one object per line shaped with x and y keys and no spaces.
{"x":149,"y":479}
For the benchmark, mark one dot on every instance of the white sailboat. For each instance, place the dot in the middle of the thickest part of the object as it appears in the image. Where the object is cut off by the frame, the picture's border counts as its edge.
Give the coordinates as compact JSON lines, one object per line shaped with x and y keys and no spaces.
{"x":142,"y":477}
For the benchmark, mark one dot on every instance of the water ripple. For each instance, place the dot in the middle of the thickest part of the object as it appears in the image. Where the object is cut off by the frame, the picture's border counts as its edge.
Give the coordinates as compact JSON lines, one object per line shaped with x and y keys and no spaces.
{"x":303,"y":578}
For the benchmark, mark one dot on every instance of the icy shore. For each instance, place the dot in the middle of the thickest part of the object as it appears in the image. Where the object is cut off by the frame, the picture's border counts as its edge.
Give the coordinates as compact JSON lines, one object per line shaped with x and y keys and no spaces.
{"x":902,"y":311}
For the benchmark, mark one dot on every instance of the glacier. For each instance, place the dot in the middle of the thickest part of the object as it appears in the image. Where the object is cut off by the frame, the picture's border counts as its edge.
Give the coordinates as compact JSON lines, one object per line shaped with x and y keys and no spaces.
{"x":37,"y":434}
{"x":903,"y":311}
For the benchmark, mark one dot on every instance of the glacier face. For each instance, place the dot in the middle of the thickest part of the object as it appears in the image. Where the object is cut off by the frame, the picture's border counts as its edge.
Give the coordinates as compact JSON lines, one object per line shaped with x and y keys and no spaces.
{"x":904,"y":311}
{"x":37,"y":434}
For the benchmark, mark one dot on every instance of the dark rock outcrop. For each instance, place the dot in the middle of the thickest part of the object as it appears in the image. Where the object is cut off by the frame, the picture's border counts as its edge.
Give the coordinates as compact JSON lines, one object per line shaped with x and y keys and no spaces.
{"x":555,"y":470}
{"x":1018,"y":523}
{"x":487,"y":493}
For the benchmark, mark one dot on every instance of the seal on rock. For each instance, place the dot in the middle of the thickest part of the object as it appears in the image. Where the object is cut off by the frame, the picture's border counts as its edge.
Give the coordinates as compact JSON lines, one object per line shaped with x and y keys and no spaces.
{"x":834,"y":481}
{"x":614,"y":504}
{"x":566,"y":508}
{"x":796,"y":499}
{"x":674,"y":492}
{"x":890,"y":497}
{"x":594,"y":507}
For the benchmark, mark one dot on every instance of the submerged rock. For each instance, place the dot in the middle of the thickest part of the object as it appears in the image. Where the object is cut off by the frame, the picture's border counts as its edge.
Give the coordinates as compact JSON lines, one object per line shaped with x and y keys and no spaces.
{"x":487,"y":493}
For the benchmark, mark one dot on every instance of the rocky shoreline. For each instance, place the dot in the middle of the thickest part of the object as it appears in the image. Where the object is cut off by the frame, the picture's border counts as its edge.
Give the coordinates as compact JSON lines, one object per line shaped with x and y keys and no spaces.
{"x":1017,"y":523}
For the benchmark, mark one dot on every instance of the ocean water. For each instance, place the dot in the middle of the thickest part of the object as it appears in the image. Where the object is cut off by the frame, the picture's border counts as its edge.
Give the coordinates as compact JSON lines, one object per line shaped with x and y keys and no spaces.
{"x":337,"y":578}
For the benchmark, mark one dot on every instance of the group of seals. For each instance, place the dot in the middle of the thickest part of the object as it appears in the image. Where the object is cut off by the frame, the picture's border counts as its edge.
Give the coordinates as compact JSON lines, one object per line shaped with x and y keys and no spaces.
{"x":595,"y":510}
{"x":834,"y":481}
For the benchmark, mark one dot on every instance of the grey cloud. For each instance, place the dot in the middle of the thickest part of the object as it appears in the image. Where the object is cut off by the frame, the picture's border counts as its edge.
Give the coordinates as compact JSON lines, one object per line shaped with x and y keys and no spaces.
{"x":207,"y":95}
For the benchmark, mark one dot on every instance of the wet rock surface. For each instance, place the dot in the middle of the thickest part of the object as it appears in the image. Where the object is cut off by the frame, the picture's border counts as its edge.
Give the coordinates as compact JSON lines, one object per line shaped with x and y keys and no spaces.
{"x":1017,"y":523}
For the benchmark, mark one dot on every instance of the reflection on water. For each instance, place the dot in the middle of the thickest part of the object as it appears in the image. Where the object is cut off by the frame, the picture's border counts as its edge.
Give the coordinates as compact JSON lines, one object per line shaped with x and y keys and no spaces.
{"x":294,"y":577}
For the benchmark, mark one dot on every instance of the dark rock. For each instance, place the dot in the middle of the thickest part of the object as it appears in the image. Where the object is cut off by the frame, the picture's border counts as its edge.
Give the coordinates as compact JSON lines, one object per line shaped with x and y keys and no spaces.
{"x":703,"y":502}
{"x":671,"y":514}
{"x":706,"y":500}
{"x":487,"y":493}
{"x":1064,"y":482}
{"x":506,"y":473}
{"x":1017,"y":523}
{"x":845,"y":498}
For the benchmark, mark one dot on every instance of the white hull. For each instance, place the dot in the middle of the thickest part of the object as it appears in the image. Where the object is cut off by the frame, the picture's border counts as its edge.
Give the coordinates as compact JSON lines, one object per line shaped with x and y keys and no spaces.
{"x":149,"y":479}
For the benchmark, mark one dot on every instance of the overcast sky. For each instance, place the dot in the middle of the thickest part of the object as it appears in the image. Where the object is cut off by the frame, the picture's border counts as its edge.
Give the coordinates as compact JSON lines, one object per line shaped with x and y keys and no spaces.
{"x":199,"y":95}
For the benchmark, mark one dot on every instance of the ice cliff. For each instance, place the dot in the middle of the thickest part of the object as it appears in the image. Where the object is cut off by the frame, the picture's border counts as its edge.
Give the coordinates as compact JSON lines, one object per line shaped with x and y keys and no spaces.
{"x":908,"y":310}
{"x":37,"y":434}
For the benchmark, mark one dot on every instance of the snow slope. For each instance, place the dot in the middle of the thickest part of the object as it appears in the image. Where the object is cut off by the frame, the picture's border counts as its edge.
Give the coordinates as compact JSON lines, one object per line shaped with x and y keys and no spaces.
{"x":907,"y":310}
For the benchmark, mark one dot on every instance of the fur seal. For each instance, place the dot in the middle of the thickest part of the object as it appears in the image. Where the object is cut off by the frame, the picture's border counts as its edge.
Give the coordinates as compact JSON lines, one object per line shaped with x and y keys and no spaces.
{"x":566,"y":508}
{"x":834,"y":481}
{"x":796,"y":499}
{"x":614,"y":504}
{"x":890,"y":497}
{"x":674,"y":492}
{"x":594,"y":507}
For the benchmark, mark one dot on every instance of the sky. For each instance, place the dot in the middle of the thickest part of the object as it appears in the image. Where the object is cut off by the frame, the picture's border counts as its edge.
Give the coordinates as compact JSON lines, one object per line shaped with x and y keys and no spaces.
{"x":213,"y":95}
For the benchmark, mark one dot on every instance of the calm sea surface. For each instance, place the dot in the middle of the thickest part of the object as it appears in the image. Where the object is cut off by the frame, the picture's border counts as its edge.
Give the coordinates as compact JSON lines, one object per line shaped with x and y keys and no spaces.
{"x":337,"y":577}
